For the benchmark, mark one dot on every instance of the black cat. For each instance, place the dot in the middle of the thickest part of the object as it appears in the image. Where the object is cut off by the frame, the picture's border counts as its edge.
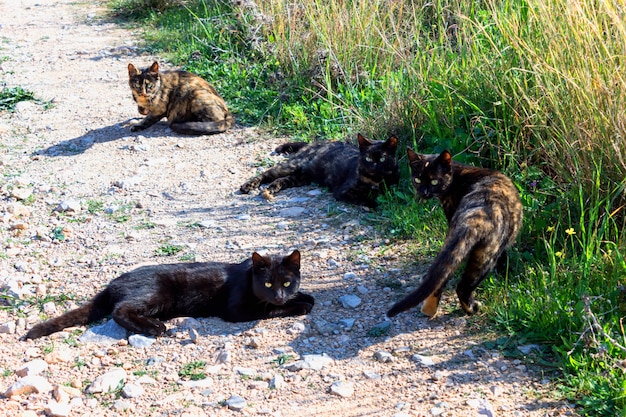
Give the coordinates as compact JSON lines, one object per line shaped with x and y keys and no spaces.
{"x":353,"y":175}
{"x":258,"y":288}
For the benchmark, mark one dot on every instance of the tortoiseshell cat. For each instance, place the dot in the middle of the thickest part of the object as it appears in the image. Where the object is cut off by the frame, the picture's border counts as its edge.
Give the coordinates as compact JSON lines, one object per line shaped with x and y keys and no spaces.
{"x":191,"y":105}
{"x":484,"y":215}
{"x":258,"y":288}
{"x":353,"y":175}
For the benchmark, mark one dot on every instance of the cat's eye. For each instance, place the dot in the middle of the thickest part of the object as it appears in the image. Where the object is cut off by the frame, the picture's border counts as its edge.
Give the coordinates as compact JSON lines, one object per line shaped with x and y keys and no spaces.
{"x":434,"y":182}
{"x":286,"y":284}
{"x":382,"y":159}
{"x":268,"y":285}
{"x":368,"y":159}
{"x":417,"y":180}
{"x":149,"y":85}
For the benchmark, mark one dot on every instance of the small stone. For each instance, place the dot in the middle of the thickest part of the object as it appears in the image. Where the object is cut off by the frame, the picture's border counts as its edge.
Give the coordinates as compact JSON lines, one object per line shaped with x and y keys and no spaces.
{"x":350,"y":301}
{"x":254,"y":342}
{"x":132,"y":391}
{"x":277,"y":382}
{"x":347,"y":323}
{"x":423,"y":360}
{"x":371,"y":375}
{"x":193,"y":335}
{"x":292,"y":212}
{"x":236,"y":403}
{"x":244,"y":371}
{"x":155,"y":360}
{"x":107,"y":382}
{"x":141,"y":341}
{"x":28,"y":385}
{"x":8,"y":327}
{"x":526,"y":349}
{"x":20,"y":193}
{"x":105,"y":334}
{"x":54,"y":409}
{"x":50,"y":308}
{"x":349,"y":276}
{"x":244,"y":217}
{"x":342,"y":389}
{"x":123,"y":405}
{"x":362,"y":289}
{"x":383,"y":356}
{"x":258,"y":385}
{"x":34,"y":367}
{"x":68,"y":206}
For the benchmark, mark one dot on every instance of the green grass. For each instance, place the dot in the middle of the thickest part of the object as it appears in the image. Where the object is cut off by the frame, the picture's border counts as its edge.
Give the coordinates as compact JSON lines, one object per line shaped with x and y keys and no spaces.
{"x":10,"y":96}
{"x":500,"y":84}
{"x":193,"y":371}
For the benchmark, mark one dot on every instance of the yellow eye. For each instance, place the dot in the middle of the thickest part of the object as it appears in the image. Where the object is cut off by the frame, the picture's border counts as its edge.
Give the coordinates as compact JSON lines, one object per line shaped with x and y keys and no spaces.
{"x":268,"y":285}
{"x":417,"y":180}
{"x":382,"y":159}
{"x":434,"y":182}
{"x":286,"y":283}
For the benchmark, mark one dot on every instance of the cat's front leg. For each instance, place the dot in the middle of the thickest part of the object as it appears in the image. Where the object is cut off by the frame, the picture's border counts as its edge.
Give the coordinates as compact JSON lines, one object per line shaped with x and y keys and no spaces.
{"x":145,"y":123}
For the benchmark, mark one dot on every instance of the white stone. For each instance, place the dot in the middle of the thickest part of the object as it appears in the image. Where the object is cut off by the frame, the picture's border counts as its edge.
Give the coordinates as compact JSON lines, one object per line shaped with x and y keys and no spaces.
{"x":28,"y":385}
{"x":342,"y":389}
{"x":108,"y":382}
{"x":34,"y":367}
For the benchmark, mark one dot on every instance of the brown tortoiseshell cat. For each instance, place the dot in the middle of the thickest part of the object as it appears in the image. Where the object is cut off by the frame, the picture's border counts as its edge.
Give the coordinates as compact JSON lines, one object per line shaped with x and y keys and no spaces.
{"x":354,"y":175}
{"x":484,"y":215}
{"x":191,"y":105}
{"x":258,"y":288}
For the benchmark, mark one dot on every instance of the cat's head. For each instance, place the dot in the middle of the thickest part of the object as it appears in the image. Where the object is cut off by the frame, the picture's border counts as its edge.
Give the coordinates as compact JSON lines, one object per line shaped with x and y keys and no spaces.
{"x":144,"y":84}
{"x":378,"y":158}
{"x":431,"y":175}
{"x":276,"y":279}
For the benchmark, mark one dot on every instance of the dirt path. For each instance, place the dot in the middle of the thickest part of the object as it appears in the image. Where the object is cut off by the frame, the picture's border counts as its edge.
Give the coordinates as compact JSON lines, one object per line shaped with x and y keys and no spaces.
{"x":140,"y":195}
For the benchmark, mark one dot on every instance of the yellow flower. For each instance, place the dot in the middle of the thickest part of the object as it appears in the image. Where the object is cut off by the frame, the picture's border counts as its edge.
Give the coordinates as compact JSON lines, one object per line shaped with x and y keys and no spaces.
{"x":550,"y":229}
{"x":570,"y":231}
{"x":559,"y":254}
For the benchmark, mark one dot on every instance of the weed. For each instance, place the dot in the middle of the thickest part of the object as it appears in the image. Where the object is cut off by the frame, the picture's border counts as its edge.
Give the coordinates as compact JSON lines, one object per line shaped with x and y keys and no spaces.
{"x":168,"y":249}
{"x":193,"y":371}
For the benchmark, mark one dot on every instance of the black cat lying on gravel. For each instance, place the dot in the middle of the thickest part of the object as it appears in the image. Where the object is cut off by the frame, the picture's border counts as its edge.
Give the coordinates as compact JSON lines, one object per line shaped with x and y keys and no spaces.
{"x":354,"y":175}
{"x":258,"y":288}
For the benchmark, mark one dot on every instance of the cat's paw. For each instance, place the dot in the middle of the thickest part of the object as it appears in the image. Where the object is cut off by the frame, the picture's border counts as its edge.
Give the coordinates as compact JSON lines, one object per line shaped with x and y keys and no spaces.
{"x":253,"y":184}
{"x":472,"y":308}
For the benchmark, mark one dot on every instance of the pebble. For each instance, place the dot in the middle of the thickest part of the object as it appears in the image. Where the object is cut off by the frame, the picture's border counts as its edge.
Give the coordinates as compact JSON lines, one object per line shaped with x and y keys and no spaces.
{"x":526,"y":349}
{"x":193,"y":335}
{"x":107,"y":382}
{"x":384,"y":357}
{"x":277,"y":382}
{"x":236,"y":403}
{"x":21,"y":193}
{"x":28,"y":385}
{"x":132,"y":391}
{"x":349,"y":276}
{"x":423,"y":360}
{"x":141,"y":341}
{"x":105,"y":334}
{"x":8,"y":327}
{"x":67,"y":206}
{"x":347,"y":324}
{"x":292,"y":212}
{"x":34,"y":367}
{"x":342,"y":389}
{"x":350,"y":301}
{"x":55,"y":409}
{"x":371,"y":375}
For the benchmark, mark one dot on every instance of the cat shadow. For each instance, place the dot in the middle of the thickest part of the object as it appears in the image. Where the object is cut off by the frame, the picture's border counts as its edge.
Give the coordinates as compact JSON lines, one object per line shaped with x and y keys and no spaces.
{"x":81,"y":144}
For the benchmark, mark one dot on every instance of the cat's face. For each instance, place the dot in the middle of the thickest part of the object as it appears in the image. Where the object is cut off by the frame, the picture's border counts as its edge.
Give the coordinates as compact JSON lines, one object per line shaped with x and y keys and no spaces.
{"x":431,"y":175}
{"x":144,"y":85}
{"x":275,"y":280}
{"x":378,"y":159}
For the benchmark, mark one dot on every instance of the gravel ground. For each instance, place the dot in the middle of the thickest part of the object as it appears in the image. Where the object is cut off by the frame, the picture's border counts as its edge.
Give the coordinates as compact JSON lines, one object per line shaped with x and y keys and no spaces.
{"x":83,"y":200}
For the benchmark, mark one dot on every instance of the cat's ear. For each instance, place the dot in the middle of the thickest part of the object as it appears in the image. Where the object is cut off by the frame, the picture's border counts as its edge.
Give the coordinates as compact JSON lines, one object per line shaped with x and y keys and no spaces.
{"x":132,"y":70}
{"x":445,"y":159}
{"x":154,"y":67}
{"x":293,"y":260}
{"x":392,"y":143}
{"x":364,"y":143}
{"x":258,"y":261}
{"x":413,"y":156}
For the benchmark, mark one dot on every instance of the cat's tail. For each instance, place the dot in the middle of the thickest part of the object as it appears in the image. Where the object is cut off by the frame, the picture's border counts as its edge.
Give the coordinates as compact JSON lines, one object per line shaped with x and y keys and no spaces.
{"x":455,"y":249}
{"x":204,"y":128}
{"x":97,"y":308}
{"x":290,"y":147}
